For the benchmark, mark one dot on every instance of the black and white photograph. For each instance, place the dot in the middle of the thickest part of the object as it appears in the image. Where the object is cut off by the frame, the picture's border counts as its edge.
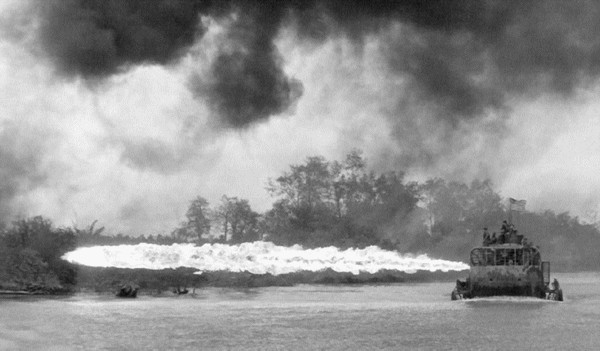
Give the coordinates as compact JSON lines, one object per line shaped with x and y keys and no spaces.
{"x":299,"y":175}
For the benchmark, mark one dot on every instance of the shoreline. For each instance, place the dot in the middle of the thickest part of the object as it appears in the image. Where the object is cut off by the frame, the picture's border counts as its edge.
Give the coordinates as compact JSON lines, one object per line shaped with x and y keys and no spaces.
{"x":169,"y":281}
{"x":166,"y":282}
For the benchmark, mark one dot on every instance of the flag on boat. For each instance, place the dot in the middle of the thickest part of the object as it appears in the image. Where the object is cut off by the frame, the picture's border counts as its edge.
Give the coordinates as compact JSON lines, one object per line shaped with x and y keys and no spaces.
{"x":517,"y":205}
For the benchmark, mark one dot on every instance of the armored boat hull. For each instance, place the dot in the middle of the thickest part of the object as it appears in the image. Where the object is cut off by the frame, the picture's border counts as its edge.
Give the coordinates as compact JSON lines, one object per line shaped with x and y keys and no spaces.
{"x":506,"y":270}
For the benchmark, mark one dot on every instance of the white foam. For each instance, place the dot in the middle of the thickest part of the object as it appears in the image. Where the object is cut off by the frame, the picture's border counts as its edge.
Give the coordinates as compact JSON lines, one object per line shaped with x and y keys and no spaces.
{"x":507,"y":299}
{"x":256,"y":257}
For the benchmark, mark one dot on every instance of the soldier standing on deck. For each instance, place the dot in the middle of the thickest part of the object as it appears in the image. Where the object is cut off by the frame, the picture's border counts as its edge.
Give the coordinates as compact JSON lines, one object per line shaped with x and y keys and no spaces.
{"x":504,"y":227}
{"x":486,"y":238}
{"x":502,"y":238}
{"x":493,"y":240}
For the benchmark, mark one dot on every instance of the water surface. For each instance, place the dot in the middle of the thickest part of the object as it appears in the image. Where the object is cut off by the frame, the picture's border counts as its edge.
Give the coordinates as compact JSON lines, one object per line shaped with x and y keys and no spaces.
{"x":396,"y":316}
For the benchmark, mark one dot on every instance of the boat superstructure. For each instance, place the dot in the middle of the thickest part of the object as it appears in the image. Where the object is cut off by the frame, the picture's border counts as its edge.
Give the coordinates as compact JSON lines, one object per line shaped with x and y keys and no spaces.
{"x":511,"y":268}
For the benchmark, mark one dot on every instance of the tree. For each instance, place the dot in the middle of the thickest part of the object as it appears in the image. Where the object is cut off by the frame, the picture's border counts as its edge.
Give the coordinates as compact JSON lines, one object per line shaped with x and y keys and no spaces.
{"x":38,"y":234}
{"x":308,"y":194}
{"x":348,"y":182}
{"x":305,"y":185}
{"x":337,"y":203}
{"x":34,"y":248}
{"x":236,"y":217}
{"x":276,"y":224}
{"x":198,"y":220}
{"x":90,"y":235}
{"x":446,"y":204}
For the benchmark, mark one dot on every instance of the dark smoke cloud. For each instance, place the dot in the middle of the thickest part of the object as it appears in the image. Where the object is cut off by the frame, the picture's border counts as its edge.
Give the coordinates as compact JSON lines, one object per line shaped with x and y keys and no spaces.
{"x":464,"y":60}
{"x":466,"y":56}
{"x":247,"y":82}
{"x":462,"y":57}
{"x":506,"y":48}
{"x":93,"y":39}
{"x":319,"y":20}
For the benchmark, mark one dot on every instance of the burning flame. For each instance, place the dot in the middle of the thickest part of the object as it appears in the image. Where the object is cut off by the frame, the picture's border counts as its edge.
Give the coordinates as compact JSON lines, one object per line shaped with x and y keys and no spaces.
{"x":256,"y":257}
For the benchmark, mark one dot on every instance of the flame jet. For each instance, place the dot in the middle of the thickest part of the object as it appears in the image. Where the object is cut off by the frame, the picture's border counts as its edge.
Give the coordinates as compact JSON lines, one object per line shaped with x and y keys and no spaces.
{"x":256,"y":258}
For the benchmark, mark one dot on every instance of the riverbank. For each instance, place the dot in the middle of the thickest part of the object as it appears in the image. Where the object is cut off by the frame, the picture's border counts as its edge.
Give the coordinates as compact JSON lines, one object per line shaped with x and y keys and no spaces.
{"x":156,"y":282}
{"x":169,"y":282}
{"x":37,"y":290}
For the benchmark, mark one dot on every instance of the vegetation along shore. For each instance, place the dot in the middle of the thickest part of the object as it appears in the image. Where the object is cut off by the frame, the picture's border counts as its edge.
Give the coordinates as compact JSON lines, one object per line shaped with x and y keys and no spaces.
{"x":317,"y":203}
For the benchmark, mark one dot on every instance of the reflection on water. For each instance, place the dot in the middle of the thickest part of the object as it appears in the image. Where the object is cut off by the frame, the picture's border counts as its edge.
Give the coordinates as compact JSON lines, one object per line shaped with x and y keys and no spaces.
{"x":396,"y":316}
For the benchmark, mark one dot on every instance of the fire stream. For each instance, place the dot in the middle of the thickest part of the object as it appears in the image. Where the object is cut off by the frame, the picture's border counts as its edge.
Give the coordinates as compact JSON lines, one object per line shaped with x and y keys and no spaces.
{"x":256,"y":257}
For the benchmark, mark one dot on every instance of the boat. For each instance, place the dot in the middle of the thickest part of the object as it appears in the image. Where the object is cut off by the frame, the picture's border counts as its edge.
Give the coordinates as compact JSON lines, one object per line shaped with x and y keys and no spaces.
{"x":128,"y":290}
{"x":508,"y":267}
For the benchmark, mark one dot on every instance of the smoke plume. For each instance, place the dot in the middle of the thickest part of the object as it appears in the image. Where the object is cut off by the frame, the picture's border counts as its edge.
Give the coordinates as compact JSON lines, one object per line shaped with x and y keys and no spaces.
{"x":462,"y":59}
{"x":247,"y":82}
{"x":94,"y":39}
{"x":452,"y":88}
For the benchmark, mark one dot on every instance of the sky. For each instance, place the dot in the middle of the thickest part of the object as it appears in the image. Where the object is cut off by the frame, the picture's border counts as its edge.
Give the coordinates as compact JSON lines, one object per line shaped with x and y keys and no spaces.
{"x":125,"y":111}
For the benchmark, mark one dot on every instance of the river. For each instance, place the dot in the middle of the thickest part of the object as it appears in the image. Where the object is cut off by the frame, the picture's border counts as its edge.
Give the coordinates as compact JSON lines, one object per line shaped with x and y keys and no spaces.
{"x":308,"y":317}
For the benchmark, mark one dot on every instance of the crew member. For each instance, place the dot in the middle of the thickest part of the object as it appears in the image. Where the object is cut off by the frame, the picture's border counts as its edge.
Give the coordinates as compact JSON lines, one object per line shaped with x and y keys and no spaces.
{"x":514,"y":237}
{"x":487,"y":240}
{"x":504,"y":227}
{"x":502,"y":238}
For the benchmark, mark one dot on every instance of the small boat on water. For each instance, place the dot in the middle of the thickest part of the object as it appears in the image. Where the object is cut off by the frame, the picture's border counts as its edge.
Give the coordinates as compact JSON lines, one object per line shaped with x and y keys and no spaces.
{"x":508,"y":267}
{"x":128,"y":290}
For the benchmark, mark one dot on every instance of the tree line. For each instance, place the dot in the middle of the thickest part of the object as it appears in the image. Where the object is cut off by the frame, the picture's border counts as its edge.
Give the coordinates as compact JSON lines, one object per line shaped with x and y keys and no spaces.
{"x":320,"y":203}
{"x":343,"y":203}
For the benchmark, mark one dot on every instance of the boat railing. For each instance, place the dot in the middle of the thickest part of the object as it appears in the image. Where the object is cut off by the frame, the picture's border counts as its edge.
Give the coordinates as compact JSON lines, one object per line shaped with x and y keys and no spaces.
{"x":505,"y":256}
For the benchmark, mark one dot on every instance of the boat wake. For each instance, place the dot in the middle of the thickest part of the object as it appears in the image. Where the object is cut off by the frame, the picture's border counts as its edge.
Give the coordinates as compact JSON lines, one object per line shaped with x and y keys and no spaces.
{"x":507,"y":299}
